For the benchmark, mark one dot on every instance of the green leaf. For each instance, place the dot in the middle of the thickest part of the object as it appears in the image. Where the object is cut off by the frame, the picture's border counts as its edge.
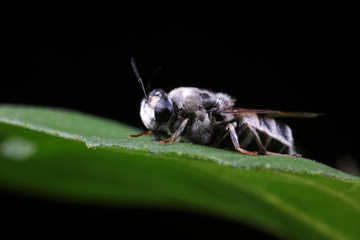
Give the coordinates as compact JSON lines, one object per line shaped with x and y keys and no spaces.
{"x":77,"y":157}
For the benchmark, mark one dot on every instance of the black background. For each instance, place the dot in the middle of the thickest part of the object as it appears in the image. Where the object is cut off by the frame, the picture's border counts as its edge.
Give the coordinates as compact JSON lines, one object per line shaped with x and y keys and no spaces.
{"x":292,"y":64}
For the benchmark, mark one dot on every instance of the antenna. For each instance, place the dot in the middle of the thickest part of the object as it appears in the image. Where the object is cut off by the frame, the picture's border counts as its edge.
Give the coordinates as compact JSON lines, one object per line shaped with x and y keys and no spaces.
{"x":138,"y":77}
{"x":152,"y":77}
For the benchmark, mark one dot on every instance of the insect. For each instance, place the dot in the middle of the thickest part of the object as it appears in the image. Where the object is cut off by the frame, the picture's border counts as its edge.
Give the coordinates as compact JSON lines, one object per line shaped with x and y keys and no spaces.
{"x":209,"y":118}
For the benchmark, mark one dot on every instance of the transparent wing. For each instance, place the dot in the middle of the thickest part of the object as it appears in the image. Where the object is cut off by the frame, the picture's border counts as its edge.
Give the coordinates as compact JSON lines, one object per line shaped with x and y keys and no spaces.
{"x":273,"y":113}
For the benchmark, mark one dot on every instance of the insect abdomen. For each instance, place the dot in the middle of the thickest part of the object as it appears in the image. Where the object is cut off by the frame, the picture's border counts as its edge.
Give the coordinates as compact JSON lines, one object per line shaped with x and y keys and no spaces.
{"x":274,"y":136}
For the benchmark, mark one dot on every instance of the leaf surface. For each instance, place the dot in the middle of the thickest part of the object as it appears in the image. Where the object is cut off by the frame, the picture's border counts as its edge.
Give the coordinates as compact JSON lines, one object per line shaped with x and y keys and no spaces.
{"x":78,"y":157}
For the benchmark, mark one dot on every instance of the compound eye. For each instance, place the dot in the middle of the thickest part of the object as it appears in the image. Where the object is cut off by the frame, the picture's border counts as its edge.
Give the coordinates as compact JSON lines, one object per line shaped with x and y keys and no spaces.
{"x":163,"y":110}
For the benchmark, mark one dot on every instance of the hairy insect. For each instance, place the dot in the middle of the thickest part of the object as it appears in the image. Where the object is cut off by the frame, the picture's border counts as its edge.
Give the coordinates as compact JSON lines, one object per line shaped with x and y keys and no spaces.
{"x":209,"y":118}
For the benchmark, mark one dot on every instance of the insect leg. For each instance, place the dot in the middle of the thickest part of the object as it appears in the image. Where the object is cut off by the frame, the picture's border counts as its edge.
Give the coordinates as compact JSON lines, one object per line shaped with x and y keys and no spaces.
{"x":280,"y":154}
{"x":141,"y":134}
{"x":177,"y":133}
{"x":262,"y":149}
{"x":235,"y":141}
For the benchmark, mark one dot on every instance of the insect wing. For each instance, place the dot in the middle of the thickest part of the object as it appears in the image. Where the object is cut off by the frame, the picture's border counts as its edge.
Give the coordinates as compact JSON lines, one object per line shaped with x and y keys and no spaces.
{"x":272,"y":113}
